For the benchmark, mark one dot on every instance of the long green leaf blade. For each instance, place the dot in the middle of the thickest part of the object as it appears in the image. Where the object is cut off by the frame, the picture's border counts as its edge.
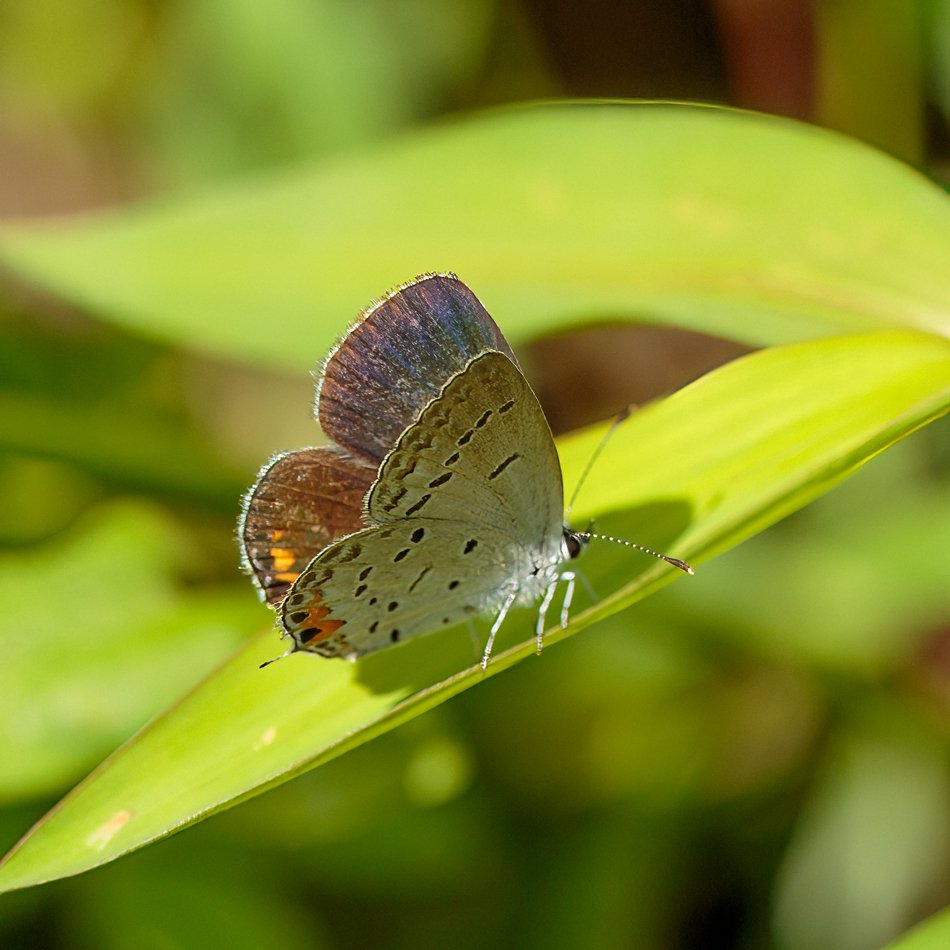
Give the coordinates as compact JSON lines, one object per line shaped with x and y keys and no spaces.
{"x":701,"y":471}
{"x":741,"y":225}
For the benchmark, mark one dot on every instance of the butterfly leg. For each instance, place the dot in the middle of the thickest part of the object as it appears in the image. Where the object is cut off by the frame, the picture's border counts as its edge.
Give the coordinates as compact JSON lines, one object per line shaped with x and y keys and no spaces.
{"x":543,"y":612}
{"x":569,"y":577}
{"x":505,"y":607}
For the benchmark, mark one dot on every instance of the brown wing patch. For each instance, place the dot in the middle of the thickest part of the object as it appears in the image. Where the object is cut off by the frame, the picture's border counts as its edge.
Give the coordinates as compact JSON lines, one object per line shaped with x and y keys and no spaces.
{"x":301,"y":502}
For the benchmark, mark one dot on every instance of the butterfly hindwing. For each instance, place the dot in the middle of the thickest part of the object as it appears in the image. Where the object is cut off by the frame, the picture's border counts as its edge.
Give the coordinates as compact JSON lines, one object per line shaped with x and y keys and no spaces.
{"x":302,"y":501}
{"x":388,"y":584}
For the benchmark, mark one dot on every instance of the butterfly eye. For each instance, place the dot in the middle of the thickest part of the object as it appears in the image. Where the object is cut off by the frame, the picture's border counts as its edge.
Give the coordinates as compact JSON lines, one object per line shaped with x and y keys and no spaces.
{"x":574,"y":543}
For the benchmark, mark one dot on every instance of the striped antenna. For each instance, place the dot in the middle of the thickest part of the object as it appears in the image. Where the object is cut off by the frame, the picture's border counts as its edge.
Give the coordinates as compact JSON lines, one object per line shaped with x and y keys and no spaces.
{"x":675,"y":561}
{"x":621,"y":417}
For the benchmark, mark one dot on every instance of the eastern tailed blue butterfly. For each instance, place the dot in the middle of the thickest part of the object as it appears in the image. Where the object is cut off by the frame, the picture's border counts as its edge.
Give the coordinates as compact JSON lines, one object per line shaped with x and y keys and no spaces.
{"x":441,"y":499}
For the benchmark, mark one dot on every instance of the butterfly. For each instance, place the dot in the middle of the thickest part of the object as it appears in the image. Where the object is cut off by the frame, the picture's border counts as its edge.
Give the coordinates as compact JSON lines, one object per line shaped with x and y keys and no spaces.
{"x":441,"y":498}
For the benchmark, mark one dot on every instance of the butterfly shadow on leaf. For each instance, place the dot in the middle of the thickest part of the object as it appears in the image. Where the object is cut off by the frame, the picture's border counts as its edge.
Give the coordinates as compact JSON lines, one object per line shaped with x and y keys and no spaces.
{"x":602,"y":571}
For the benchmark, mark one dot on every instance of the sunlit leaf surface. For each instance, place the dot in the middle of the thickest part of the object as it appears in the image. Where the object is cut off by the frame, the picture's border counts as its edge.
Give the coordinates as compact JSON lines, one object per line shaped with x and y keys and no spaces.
{"x":724,"y":466}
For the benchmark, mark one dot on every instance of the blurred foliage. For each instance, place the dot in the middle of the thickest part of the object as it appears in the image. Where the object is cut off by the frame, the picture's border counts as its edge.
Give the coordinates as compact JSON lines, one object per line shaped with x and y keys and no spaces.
{"x":756,"y":760}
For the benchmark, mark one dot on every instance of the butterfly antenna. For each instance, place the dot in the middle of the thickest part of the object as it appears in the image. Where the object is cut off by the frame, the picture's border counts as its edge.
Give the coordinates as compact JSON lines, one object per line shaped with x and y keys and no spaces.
{"x":621,"y":417}
{"x":675,"y":561}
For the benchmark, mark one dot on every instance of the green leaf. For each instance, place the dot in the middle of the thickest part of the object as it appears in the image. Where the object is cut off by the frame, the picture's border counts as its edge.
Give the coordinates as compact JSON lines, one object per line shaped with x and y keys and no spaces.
{"x":697,"y":473}
{"x":95,"y":644}
{"x":932,"y":934}
{"x":142,"y":448}
{"x":738,"y":224}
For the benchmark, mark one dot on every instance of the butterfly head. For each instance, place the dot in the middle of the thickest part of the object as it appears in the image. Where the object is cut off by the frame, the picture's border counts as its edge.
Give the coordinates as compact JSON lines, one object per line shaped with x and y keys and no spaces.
{"x":573,"y":543}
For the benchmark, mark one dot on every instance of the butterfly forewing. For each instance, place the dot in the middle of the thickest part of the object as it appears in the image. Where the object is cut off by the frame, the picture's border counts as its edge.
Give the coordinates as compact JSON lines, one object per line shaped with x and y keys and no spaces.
{"x":397,"y":358}
{"x":481,"y":452}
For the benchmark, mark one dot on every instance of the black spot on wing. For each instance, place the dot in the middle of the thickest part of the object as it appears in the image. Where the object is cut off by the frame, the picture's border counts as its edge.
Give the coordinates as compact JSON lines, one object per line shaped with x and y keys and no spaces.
{"x":503,"y":465}
{"x":418,"y":505}
{"x":344,"y":553}
{"x":425,"y":571}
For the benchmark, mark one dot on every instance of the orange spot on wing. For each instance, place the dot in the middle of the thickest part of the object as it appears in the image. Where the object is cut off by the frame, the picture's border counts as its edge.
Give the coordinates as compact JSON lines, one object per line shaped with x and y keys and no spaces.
{"x":286,"y":577}
{"x":316,"y":620}
{"x":327,"y":629}
{"x":283,"y":559}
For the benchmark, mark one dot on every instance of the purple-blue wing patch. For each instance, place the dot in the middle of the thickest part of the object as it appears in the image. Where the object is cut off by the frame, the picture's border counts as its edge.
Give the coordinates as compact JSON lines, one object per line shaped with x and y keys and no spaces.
{"x":398,"y":358}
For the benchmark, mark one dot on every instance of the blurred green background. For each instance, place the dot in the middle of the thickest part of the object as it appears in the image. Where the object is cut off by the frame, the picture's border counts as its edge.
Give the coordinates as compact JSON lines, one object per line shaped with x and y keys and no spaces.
{"x":698,"y":772}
